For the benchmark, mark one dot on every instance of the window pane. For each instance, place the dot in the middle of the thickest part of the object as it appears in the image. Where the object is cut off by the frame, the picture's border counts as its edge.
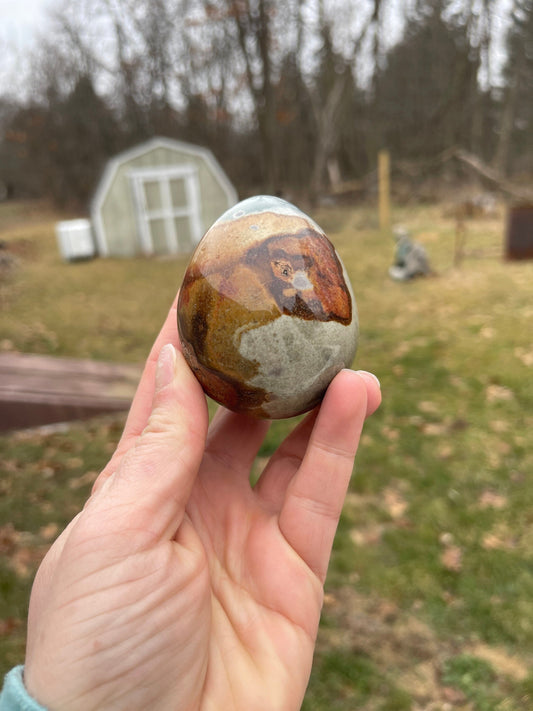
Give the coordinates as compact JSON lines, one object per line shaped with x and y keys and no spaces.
{"x":177,"y":192}
{"x":152,"y":195}
{"x":183,"y":233}
{"x":159,"y":236}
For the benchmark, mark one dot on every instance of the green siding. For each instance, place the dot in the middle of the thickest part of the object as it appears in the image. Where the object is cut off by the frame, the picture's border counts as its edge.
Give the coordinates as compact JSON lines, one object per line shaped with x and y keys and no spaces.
{"x":118,"y":206}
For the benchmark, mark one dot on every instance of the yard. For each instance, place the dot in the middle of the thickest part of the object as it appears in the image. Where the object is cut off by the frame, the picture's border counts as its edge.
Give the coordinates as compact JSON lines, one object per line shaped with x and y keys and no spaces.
{"x":429,"y":599}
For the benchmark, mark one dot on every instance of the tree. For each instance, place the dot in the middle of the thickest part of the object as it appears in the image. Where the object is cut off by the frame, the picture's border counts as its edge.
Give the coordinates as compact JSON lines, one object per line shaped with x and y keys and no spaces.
{"x":515,"y":140}
{"x":296,"y":129}
{"x":426,"y":91}
{"x":58,"y":150}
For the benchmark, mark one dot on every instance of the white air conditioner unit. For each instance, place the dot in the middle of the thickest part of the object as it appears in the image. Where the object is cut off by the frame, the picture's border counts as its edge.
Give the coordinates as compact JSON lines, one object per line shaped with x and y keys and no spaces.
{"x":75,"y":239}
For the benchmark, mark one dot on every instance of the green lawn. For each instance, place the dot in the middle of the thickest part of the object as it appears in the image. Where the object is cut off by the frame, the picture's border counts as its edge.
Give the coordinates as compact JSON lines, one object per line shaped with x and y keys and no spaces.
{"x":429,"y":601}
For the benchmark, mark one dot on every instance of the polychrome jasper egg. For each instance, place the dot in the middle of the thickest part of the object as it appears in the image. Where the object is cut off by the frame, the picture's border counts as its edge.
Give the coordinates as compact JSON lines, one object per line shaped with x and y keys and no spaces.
{"x":266,"y":314}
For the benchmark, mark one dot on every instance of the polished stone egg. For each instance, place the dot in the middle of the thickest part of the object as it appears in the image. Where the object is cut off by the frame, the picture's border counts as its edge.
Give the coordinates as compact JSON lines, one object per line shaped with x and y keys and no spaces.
{"x":266,"y":313}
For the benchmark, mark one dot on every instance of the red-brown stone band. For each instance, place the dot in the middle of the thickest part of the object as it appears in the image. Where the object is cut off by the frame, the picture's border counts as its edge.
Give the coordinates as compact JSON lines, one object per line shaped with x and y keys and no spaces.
{"x":266,"y":316}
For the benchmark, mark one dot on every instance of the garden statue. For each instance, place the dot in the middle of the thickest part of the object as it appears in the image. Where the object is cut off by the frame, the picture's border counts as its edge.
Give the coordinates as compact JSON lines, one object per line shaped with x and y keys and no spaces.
{"x":410,"y":259}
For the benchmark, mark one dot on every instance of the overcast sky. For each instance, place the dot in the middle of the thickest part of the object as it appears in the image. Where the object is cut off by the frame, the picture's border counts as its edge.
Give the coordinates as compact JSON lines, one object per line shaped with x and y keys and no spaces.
{"x":22,"y":20}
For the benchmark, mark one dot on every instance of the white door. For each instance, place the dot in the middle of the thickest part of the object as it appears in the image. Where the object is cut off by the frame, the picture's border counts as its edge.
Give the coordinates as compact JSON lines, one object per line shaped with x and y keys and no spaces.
{"x":167,"y":203}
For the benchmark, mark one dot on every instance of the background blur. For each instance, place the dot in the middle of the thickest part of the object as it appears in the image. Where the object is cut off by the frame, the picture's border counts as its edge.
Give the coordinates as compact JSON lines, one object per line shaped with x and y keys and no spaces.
{"x":429,"y":597}
{"x":294,"y":96}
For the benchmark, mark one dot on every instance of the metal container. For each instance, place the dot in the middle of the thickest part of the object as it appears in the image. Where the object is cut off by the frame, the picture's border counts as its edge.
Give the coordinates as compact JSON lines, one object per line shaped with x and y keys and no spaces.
{"x":519,"y":235}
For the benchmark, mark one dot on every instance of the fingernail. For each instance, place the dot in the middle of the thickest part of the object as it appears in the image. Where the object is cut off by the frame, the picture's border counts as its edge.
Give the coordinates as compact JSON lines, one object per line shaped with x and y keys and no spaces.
{"x":366,"y":374}
{"x":166,"y":364}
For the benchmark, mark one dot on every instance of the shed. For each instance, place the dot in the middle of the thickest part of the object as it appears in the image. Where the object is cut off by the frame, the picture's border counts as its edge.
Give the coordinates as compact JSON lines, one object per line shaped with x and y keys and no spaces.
{"x":158,"y":198}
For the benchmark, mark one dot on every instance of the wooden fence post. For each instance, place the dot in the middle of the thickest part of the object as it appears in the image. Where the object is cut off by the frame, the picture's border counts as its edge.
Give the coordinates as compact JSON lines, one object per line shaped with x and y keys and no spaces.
{"x":384,"y":190}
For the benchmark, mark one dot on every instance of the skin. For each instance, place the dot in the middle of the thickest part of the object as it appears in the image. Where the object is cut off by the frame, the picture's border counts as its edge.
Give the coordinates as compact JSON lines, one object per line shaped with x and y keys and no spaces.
{"x":179,"y":586}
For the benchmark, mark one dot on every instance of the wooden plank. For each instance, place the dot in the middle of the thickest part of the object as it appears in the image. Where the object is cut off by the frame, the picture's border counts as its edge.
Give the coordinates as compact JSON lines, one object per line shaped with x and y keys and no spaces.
{"x":38,"y":390}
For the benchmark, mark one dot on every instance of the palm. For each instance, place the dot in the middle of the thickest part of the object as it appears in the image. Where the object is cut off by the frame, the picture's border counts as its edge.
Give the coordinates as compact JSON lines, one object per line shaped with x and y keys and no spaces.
{"x":264,"y":601}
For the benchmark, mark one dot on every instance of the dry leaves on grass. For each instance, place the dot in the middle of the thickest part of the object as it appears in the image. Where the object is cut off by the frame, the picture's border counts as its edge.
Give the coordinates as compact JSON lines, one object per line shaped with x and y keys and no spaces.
{"x":84,"y":480}
{"x":451,"y":557}
{"x":394,"y":503}
{"x":429,"y":407}
{"x":409,"y":649}
{"x":368,"y":535}
{"x":22,"y":550}
{"x":524,"y":356}
{"x":49,"y":532}
{"x":490,"y":499}
{"x":495,"y":393}
{"x":502,"y":661}
{"x":499,"y":538}
{"x":10,"y":626}
{"x":499,"y":426}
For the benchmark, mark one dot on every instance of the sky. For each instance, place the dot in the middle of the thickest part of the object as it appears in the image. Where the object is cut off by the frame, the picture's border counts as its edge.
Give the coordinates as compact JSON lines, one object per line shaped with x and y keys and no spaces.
{"x":20,"y":21}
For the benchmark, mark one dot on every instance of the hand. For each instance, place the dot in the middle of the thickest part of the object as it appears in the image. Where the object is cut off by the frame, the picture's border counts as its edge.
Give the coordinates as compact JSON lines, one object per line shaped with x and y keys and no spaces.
{"x":179,"y":586}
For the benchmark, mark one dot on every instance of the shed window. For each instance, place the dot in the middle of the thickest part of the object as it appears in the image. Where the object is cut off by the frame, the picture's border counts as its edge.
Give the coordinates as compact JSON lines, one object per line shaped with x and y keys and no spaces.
{"x":167,"y":203}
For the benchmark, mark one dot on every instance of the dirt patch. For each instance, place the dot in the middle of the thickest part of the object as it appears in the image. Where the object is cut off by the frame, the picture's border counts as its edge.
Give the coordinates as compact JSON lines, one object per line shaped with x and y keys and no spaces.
{"x":407,"y":648}
{"x":502,"y":661}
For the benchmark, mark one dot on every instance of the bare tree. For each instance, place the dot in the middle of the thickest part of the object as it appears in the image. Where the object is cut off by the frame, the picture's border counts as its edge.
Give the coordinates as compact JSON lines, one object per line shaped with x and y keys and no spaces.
{"x":516,"y":117}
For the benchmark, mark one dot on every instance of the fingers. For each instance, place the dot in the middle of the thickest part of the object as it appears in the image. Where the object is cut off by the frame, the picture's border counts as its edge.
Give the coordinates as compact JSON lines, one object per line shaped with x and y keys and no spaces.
{"x":142,"y":403}
{"x":315,"y":494}
{"x":286,"y":461}
{"x":283,"y":464}
{"x":148,"y":493}
{"x":373,"y":391}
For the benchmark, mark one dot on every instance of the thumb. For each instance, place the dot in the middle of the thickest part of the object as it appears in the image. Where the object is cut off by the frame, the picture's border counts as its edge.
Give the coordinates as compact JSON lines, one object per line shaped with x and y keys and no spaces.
{"x":149,"y":491}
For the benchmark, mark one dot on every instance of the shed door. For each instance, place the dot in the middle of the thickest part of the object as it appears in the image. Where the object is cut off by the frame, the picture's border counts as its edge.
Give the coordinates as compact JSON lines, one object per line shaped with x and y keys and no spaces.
{"x":167,"y":202}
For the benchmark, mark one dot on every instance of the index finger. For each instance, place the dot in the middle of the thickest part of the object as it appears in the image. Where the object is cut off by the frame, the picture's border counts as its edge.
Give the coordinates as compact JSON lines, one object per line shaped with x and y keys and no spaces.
{"x":141,"y":405}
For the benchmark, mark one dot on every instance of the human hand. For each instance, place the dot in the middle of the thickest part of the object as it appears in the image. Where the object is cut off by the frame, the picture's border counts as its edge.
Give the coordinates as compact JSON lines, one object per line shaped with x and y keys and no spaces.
{"x":179,"y":586}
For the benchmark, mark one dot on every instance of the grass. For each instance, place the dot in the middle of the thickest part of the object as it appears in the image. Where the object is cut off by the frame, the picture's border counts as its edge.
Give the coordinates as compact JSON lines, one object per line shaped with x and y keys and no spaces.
{"x":429,"y":599}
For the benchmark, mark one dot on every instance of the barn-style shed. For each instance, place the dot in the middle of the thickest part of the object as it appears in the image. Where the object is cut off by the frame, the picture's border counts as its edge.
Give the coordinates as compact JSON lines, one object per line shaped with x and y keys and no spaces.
{"x":158,"y":198}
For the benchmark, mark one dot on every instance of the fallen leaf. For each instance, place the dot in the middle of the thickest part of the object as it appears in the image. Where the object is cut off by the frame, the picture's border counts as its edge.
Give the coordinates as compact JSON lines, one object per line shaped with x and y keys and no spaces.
{"x":49,"y":531}
{"x":370,"y":535}
{"x":452,"y":559}
{"x":395,"y":504}
{"x":452,"y":695}
{"x":330,"y":600}
{"x":492,"y":500}
{"x":434,"y":429}
{"x":428,"y":407}
{"x":24,"y":561}
{"x":9,"y":538}
{"x":402,"y":349}
{"x":74,"y":463}
{"x":387,"y":610}
{"x":526,"y":357}
{"x":503,"y":662}
{"x":9,"y":625}
{"x":499,"y":425}
{"x":390,"y":433}
{"x":83,"y":480}
{"x":487,"y":332}
{"x":494,"y":541}
{"x":446,"y":538}
{"x":494,"y":393}
{"x":458,"y":382}
{"x":445,"y":451}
